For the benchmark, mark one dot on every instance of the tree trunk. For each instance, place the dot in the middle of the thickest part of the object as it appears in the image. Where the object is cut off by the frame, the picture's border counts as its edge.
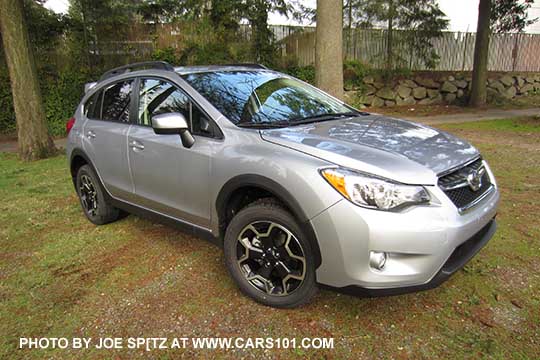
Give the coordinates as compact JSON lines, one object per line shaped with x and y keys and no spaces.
{"x":329,"y":47}
{"x":85,"y":35}
{"x":349,"y":29}
{"x":481,"y":52}
{"x":390,"y":37}
{"x":33,"y":138}
{"x":263,"y":46}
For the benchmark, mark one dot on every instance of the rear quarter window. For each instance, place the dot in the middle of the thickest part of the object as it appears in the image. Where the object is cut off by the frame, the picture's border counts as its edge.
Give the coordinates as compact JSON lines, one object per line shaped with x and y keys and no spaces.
{"x":92,"y":107}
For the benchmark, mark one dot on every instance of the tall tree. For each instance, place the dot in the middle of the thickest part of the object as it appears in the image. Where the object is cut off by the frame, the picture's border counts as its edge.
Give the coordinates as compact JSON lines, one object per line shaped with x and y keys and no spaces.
{"x":225,"y":17}
{"x":481,"y":52}
{"x":391,"y":15}
{"x":499,"y":16}
{"x":256,"y":12}
{"x":351,"y":9}
{"x":423,"y":18}
{"x":329,"y":47}
{"x":511,"y":16}
{"x":97,"y":23}
{"x":166,"y":11}
{"x":45,"y":27}
{"x":34,"y":140}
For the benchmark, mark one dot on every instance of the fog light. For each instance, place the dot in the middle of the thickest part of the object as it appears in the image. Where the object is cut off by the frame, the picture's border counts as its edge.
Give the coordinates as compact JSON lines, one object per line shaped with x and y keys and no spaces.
{"x":377,"y":260}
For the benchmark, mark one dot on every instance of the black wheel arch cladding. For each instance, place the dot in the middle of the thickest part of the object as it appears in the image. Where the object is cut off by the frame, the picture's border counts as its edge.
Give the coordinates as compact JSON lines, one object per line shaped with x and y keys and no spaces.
{"x":277,"y":191}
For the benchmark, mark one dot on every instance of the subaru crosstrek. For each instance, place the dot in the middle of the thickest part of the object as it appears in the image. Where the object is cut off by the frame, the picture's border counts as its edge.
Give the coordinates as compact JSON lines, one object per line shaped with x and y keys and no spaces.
{"x":300,"y":189}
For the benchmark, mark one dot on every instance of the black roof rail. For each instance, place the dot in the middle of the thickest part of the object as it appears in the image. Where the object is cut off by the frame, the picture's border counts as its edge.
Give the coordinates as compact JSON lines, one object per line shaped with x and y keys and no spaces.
{"x":251,"y":65}
{"x":161,"y":65}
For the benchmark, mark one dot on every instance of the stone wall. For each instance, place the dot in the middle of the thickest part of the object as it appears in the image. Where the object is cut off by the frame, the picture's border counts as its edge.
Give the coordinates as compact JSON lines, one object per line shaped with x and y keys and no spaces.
{"x":432,"y":90}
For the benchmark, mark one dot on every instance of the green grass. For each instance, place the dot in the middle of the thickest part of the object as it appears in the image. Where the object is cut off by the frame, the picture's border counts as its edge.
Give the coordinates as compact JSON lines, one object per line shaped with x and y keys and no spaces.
{"x":61,"y":276}
{"x":513,"y":125}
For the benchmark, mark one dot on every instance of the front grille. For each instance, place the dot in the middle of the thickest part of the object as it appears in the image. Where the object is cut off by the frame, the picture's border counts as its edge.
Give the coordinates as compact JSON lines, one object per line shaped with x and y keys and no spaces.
{"x":458,"y":190}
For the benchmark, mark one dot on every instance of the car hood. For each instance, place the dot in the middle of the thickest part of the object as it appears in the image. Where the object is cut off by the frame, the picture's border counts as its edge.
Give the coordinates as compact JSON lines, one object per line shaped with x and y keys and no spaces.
{"x":384,"y":146}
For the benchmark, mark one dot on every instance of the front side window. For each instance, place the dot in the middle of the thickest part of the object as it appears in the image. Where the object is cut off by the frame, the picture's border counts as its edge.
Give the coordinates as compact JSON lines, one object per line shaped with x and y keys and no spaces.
{"x":116,"y":102}
{"x":263,"y":97}
{"x":160,"y":97}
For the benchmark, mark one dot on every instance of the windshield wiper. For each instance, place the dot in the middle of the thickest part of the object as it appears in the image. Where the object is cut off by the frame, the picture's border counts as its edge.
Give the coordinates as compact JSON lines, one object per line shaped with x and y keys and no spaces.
{"x":263,"y":125}
{"x":322,"y":117}
{"x":297,"y":121}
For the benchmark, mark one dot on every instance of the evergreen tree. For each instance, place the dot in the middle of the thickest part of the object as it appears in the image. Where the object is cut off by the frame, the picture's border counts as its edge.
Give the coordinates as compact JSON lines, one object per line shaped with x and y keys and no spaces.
{"x":423,"y":19}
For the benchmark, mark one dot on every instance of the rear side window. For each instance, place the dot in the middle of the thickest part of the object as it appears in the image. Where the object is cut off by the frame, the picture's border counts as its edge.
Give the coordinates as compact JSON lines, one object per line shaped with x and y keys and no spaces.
{"x":116,"y":102}
{"x":92,"y":108}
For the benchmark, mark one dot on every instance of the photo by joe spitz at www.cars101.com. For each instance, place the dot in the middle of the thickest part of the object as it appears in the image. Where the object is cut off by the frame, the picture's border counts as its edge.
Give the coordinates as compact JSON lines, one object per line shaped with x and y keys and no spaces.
{"x":300,"y":189}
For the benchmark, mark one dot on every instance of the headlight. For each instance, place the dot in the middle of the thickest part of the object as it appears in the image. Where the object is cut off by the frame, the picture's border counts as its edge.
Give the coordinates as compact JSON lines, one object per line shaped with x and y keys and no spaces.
{"x":373,"y":192}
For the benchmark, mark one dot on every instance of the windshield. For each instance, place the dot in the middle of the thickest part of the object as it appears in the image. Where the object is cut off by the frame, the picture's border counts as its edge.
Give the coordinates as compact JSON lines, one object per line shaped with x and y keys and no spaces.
{"x":263,"y":97}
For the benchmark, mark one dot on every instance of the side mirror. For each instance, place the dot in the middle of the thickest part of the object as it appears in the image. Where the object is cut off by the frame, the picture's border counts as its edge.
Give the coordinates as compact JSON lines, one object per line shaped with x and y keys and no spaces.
{"x":173,"y":123}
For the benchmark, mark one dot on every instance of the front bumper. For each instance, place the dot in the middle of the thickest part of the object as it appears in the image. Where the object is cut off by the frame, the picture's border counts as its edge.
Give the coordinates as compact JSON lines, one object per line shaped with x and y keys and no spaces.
{"x":425,"y":244}
{"x":457,"y":260}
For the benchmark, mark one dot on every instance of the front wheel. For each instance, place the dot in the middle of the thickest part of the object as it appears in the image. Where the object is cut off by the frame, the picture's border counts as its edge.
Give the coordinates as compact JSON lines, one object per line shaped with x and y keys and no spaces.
{"x":269,"y":256}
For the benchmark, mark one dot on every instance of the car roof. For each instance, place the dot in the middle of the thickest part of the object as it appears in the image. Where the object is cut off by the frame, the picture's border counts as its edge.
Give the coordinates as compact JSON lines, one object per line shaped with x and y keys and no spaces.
{"x":184,"y":70}
{"x":131,"y":69}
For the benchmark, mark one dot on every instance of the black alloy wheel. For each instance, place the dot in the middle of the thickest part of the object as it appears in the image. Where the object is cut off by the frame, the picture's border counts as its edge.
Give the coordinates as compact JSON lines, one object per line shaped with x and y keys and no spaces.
{"x":271,"y":258}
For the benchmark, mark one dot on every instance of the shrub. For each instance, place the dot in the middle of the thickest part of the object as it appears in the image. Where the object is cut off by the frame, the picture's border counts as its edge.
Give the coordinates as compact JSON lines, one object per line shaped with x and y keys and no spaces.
{"x":394,"y":74}
{"x":305,"y":73}
{"x":354,"y":72}
{"x":358,"y":68}
{"x":167,"y":54}
{"x":209,"y":53}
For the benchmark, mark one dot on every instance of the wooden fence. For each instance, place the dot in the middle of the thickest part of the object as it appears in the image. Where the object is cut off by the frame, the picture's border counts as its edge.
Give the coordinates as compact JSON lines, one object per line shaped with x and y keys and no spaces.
{"x":508,"y":52}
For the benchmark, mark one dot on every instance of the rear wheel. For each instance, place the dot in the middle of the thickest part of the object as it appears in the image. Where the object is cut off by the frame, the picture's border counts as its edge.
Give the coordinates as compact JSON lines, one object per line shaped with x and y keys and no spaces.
{"x":269,"y":257}
{"x":92,"y":198}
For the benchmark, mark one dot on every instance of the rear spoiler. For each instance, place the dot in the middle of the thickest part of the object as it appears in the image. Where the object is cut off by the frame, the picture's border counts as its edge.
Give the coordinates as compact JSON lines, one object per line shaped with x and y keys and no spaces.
{"x":89,"y":86}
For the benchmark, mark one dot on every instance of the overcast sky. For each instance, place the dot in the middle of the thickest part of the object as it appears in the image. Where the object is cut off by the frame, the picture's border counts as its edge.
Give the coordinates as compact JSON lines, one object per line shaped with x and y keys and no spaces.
{"x":463,"y":14}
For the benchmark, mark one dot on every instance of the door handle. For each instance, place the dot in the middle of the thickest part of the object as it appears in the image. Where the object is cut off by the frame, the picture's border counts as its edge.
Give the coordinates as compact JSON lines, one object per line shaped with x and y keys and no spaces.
{"x":137,"y":145}
{"x":90,"y":134}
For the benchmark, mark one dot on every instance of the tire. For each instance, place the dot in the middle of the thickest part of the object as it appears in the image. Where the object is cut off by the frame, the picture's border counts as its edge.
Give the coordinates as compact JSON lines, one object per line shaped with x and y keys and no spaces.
{"x":88,"y":188}
{"x":290,"y":283}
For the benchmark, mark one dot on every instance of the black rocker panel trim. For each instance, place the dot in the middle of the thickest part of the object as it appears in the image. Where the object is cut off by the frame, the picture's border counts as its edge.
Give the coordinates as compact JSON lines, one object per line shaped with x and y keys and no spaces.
{"x":148,"y":214}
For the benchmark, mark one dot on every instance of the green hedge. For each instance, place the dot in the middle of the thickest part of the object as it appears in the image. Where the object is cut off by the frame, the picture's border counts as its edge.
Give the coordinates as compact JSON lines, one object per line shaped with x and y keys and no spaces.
{"x":61,"y":94}
{"x":7,"y":114}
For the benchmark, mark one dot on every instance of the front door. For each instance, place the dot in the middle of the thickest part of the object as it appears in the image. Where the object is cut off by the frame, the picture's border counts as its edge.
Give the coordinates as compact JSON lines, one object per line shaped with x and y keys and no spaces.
{"x":168,"y":178}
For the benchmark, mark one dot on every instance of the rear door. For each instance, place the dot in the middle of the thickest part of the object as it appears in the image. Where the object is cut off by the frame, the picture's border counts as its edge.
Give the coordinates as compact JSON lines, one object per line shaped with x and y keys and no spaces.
{"x":105,"y":136}
{"x":168,"y":177}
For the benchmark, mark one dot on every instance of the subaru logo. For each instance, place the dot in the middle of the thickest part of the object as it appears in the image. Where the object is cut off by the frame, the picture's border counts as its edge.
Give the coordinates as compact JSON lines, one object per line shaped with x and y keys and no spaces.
{"x":474,"y":179}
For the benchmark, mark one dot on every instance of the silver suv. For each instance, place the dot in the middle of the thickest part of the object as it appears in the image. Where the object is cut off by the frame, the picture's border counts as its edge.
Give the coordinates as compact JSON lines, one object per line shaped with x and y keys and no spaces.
{"x":299,"y":188}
